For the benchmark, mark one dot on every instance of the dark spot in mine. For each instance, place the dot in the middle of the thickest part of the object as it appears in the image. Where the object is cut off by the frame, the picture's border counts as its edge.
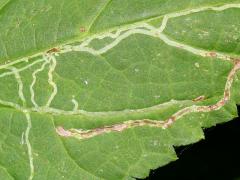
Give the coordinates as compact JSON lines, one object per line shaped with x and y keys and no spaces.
{"x":82,"y":29}
{"x":53,"y":50}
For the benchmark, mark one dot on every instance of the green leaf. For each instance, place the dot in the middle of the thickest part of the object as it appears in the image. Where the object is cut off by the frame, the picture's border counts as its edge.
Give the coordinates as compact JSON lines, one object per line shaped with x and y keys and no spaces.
{"x":101,"y":89}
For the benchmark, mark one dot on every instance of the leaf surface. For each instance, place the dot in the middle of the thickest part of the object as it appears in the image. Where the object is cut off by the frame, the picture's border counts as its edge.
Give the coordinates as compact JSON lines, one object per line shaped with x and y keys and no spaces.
{"x":104,"y":89}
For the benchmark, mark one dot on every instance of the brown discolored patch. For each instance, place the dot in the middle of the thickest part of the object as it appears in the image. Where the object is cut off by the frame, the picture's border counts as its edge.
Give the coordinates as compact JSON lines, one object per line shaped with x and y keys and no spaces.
{"x":169,"y":122}
{"x":82,"y":29}
{"x":53,"y":50}
{"x":200,"y":98}
{"x":146,"y":121}
{"x":62,"y":132}
{"x":213,"y":107}
{"x":211,"y":54}
{"x":227,"y":94}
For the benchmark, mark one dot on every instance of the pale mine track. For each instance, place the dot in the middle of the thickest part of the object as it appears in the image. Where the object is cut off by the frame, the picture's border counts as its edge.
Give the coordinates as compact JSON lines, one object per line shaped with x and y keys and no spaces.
{"x":121,"y":34}
{"x":83,"y":134}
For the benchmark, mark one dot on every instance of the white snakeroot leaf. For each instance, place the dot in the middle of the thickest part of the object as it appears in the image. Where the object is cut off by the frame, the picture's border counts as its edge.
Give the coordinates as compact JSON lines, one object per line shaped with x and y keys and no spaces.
{"x":101,"y":89}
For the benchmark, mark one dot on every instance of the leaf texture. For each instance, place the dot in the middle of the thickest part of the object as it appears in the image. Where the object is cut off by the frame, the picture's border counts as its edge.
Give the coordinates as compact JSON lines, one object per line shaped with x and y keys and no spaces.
{"x":104,"y":89}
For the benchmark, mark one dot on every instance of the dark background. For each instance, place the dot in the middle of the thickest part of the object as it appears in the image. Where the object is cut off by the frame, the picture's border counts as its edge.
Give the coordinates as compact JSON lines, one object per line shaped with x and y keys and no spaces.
{"x":215,"y":158}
